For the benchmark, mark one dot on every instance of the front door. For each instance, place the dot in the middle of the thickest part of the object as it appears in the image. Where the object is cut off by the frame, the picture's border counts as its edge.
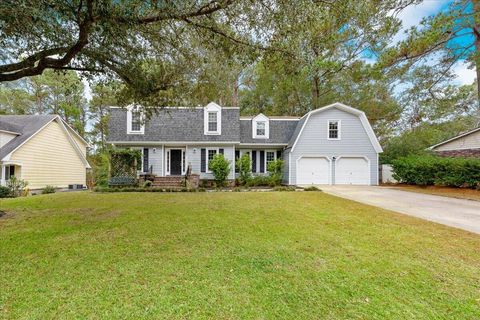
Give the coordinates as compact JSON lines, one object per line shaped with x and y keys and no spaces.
{"x":175,"y":162}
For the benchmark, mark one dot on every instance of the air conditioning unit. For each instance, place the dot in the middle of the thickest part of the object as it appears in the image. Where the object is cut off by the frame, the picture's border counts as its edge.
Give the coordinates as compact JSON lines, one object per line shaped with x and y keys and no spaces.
{"x":75,"y":186}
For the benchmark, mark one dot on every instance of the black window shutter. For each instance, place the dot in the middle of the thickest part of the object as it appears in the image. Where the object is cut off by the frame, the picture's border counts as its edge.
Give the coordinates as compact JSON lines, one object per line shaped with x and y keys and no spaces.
{"x":254,"y":160}
{"x":220,"y":151}
{"x":237,"y":157}
{"x":203,"y":160}
{"x":145,"y":160}
{"x":262,"y":161}
{"x":279,"y":154}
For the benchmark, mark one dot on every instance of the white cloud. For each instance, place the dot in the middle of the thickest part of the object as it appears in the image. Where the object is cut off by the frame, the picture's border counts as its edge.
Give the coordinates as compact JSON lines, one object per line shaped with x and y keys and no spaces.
{"x":412,"y":15}
{"x":464,"y":75}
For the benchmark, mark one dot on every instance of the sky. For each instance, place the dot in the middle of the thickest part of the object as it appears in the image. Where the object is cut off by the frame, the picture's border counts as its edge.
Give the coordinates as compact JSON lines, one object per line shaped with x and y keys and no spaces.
{"x":412,"y":16}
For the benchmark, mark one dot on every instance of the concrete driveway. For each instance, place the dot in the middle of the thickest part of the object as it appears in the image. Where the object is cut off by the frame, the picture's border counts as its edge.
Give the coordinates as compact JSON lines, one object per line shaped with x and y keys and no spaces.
{"x":463,"y":214}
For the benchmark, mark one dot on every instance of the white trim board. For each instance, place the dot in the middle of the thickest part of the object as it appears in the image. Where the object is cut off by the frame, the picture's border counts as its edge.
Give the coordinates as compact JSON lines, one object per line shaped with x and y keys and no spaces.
{"x":178,"y":143}
{"x":161,"y":108}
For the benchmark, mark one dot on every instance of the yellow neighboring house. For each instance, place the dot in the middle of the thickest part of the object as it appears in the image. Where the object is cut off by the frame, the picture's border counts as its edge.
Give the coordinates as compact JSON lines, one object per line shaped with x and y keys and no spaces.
{"x":42,"y":150}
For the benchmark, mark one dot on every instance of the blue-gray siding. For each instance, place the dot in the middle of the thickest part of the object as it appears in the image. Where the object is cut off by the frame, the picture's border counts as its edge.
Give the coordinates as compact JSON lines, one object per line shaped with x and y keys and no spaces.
{"x":313,"y":141}
{"x":194,"y":157}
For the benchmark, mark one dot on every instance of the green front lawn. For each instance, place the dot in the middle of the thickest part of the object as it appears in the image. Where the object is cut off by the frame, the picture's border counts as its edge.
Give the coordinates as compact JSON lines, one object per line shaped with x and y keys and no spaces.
{"x":271,"y":255}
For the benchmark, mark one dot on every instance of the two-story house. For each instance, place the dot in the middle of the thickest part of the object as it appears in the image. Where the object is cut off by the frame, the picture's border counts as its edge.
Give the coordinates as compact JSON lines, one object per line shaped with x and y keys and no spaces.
{"x":331,"y":145}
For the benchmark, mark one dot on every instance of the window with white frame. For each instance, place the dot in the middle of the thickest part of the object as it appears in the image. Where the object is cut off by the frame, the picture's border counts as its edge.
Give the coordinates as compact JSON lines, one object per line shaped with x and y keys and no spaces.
{"x":210,"y":154}
{"x":135,"y":123}
{"x":212,"y":119}
{"x":270,"y":157}
{"x":260,"y":127}
{"x":334,"y":129}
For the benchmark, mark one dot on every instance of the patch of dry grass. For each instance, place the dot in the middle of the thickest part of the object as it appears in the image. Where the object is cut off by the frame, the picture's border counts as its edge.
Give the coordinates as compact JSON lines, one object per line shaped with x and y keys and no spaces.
{"x":460,"y":193}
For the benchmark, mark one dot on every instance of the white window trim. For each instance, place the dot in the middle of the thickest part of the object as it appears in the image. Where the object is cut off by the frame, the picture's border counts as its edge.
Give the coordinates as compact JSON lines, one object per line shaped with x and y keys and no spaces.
{"x":183,"y":159}
{"x":339,"y":125}
{"x":260,"y":118}
{"x":212,"y":107}
{"x":207,"y":170}
{"x":274,"y":158}
{"x":129,"y":121}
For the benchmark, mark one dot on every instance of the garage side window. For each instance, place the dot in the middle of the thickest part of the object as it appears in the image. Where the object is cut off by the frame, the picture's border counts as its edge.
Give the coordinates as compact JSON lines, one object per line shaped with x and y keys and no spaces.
{"x":333,"y":129}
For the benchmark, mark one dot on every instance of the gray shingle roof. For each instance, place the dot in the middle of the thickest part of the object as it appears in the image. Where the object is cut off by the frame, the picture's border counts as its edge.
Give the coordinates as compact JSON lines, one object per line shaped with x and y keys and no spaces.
{"x":296,"y":132}
{"x":280,"y":131}
{"x":174,"y":124}
{"x":185,"y":124}
{"x":25,"y":125}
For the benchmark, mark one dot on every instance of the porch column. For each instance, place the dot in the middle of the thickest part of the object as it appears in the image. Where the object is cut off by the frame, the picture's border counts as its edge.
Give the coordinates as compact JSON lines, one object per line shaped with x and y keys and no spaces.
{"x":2,"y":175}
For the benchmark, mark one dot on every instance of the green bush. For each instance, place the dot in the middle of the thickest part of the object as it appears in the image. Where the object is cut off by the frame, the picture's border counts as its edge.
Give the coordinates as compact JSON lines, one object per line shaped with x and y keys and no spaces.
{"x":431,"y":170}
{"x":258,"y":181}
{"x":275,"y":168}
{"x":138,"y":189}
{"x":244,"y":169}
{"x":16,"y":186}
{"x":98,"y":175}
{"x":312,"y":188}
{"x":284,"y":188}
{"x":48,"y":189}
{"x":147,"y":184}
{"x":4,"y":192}
{"x":220,"y":168}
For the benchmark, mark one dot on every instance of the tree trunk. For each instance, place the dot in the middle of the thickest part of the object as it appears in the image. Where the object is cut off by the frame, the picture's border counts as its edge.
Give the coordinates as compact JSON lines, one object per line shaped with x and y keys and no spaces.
{"x":476,"y":9}
{"x":235,"y":94}
{"x":315,"y":92}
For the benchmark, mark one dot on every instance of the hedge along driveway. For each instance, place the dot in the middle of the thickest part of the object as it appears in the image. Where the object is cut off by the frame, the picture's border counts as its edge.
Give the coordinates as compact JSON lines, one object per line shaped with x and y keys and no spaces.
{"x":458,"y":213}
{"x":430,"y":170}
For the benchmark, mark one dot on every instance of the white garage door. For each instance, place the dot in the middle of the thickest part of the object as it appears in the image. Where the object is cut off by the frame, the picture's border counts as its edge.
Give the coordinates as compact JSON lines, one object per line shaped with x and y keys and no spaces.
{"x":352,"y":170}
{"x":313,"y":171}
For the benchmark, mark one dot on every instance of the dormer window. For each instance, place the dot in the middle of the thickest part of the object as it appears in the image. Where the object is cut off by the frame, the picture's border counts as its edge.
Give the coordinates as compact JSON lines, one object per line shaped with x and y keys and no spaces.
{"x":212,"y":115}
{"x":333,"y":129}
{"x":260,"y":127}
{"x":135,"y":120}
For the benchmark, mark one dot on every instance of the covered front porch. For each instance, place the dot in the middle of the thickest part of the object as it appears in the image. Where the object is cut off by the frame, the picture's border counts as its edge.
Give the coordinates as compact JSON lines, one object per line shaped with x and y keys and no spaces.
{"x":177,"y":160}
{"x":9,"y":169}
{"x":163,"y":161}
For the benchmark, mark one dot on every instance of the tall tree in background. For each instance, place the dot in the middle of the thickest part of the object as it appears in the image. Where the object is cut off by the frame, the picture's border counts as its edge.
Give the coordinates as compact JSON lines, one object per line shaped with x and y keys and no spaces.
{"x":328,"y":39}
{"x":451,"y":36}
{"x":104,"y":95}
{"x":50,"y":93}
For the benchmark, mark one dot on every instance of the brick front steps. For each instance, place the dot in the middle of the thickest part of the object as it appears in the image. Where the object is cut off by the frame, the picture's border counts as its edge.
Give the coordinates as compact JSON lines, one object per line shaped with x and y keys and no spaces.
{"x":168,"y":182}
